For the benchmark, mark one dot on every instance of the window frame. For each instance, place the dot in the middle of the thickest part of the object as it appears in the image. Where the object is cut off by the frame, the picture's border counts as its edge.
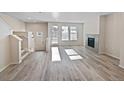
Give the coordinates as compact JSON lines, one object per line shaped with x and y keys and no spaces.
{"x":62,"y":33}
{"x":69,"y":33}
{"x":76,"y":33}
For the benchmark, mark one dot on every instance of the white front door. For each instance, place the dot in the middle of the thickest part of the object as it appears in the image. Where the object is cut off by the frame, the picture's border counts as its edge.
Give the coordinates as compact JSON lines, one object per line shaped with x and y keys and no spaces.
{"x":55,"y":35}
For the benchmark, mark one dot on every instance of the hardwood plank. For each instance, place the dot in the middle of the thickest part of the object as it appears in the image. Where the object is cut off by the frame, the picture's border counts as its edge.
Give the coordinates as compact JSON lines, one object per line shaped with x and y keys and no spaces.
{"x":39,"y":67}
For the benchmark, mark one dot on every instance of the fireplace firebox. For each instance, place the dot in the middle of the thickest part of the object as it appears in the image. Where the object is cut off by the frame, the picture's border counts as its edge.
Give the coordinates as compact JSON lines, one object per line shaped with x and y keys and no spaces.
{"x":91,"y":42}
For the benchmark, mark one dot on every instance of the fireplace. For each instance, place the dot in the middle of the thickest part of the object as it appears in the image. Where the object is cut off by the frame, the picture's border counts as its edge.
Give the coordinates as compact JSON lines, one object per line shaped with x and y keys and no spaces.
{"x":91,"y":42}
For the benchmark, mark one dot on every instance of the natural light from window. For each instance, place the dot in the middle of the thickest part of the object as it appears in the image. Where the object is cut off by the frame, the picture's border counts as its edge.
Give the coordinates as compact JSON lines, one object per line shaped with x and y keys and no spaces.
{"x":55,"y":54}
{"x":73,"y":55}
{"x":76,"y":57}
{"x":71,"y":52}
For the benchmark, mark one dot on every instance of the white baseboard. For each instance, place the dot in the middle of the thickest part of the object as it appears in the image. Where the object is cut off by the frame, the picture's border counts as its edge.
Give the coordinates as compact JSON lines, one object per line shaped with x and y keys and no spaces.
{"x":4,"y":67}
{"x":110,"y":55}
{"x":121,"y":66}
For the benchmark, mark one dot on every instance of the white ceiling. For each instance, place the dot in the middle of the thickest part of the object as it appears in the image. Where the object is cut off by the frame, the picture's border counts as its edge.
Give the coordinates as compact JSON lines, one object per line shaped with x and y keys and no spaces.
{"x":53,"y":16}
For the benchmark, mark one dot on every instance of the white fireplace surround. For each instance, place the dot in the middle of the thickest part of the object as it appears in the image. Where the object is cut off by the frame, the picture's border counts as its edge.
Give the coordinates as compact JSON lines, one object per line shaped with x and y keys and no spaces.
{"x":96,"y":46}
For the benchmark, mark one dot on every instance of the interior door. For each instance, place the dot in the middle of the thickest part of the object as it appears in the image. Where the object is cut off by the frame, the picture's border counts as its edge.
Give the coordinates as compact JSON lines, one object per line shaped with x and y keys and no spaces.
{"x":40,"y":43}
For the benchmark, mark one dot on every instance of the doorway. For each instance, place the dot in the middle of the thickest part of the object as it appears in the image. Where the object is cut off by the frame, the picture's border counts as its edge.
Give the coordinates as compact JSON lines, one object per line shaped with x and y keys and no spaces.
{"x":40,"y":41}
{"x":55,"y":36}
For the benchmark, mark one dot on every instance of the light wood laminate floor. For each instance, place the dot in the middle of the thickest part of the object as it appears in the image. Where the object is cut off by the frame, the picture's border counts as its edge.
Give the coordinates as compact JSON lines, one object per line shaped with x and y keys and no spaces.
{"x":39,"y":67}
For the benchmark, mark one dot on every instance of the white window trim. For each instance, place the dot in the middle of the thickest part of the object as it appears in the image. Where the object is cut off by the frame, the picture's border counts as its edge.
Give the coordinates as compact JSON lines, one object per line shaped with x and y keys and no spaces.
{"x":69,"y":35}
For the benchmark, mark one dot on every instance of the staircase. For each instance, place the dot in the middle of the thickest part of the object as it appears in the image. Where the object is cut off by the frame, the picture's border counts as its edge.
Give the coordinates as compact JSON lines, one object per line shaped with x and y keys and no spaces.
{"x":20,"y":46}
{"x":24,"y":54}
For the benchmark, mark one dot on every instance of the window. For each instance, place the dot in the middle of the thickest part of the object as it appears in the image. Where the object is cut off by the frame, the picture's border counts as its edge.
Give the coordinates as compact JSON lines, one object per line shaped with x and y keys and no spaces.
{"x":65,"y":33}
{"x":73,"y":33}
{"x":69,"y":33}
{"x":55,"y":34}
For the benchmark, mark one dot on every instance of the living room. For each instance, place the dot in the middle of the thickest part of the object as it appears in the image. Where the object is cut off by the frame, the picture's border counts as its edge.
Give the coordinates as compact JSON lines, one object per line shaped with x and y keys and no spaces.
{"x":48,"y":40}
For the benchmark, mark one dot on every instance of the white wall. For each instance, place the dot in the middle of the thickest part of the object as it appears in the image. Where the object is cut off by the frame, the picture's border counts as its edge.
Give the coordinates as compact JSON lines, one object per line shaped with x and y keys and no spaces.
{"x":37,"y":27}
{"x":102,"y":35}
{"x":15,"y":24}
{"x":5,"y":31}
{"x":7,"y":26}
{"x":122,"y":38}
{"x":91,"y":24}
{"x":39,"y":43}
{"x":111,"y":29}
